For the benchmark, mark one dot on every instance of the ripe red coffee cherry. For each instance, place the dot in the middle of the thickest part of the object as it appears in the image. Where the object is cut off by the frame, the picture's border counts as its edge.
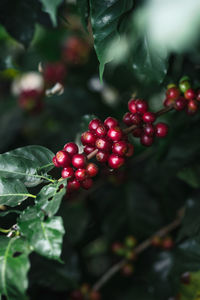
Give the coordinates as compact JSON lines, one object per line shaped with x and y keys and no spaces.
{"x":120,"y":148}
{"x":173,"y":93}
{"x":180,"y":103}
{"x":71,"y":148}
{"x":73,"y":185}
{"x":168,"y":102}
{"x":130,"y":150}
{"x":186,"y":278}
{"x":101,"y":130}
{"x":88,"y":138}
{"x":87,"y":183}
{"x":94,"y":124}
{"x":136,"y":119}
{"x":88,"y":149}
{"x":56,"y":164}
{"x":198,"y":95}
{"x":132,"y":106}
{"x":103,"y":144}
{"x":78,"y":161}
{"x":80,"y":174}
{"x":141,"y":106}
{"x":127,"y":270}
{"x":146,"y":140}
{"x":102,"y":156}
{"x":190,"y":94}
{"x":111,"y":122}
{"x":167,"y":243}
{"x":118,"y":248}
{"x":63,"y":158}
{"x":137,"y":132}
{"x":92,"y":169}
{"x":54,"y":72}
{"x":115,"y":161}
{"x":161,"y":130}
{"x":149,"y":117}
{"x":192,"y":107}
{"x":127,"y":119}
{"x":94,"y":295}
{"x":115,"y":134}
{"x":67,"y":172}
{"x":149,"y":129}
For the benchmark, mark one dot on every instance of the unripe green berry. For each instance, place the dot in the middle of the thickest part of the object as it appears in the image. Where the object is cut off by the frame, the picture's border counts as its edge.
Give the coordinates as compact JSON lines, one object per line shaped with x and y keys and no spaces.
{"x":184,"y":86}
{"x":130,"y":241}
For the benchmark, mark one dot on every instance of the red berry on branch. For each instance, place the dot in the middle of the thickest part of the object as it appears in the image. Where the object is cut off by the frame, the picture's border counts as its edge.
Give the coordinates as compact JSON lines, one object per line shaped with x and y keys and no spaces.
{"x":87,"y":183}
{"x":167,"y":243}
{"x":88,"y":149}
{"x":146,"y":140}
{"x":115,"y":161}
{"x":94,"y":124}
{"x":132,"y":106}
{"x":78,"y":161}
{"x":141,"y":106}
{"x":186,"y":278}
{"x":168,"y":102}
{"x":102,"y":156}
{"x":54,"y":160}
{"x":173,"y":93}
{"x":80,"y":174}
{"x":118,"y":248}
{"x":115,"y":134}
{"x":120,"y":148}
{"x":67,"y":172}
{"x":103,"y":144}
{"x":73,"y":185}
{"x":192,"y":107}
{"x":71,"y":148}
{"x":161,"y":130}
{"x":101,"y":130}
{"x":149,"y":117}
{"x":127,"y":270}
{"x":63,"y":158}
{"x":127,"y":119}
{"x":190,"y":94}
{"x":130,"y":150}
{"x":136,"y":119}
{"x":92,"y":169}
{"x":111,"y":122}
{"x":180,"y":103}
{"x":198,"y":95}
{"x":54,"y":72}
{"x":88,"y":138}
{"x":149,"y":129}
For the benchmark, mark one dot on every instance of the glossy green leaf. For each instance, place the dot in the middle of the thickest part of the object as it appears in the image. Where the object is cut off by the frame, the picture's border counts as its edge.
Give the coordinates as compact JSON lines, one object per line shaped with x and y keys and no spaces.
{"x":14,"y":266}
{"x":51,"y":7}
{"x":105,"y":19}
{"x":83,"y":6}
{"x":29,"y":164}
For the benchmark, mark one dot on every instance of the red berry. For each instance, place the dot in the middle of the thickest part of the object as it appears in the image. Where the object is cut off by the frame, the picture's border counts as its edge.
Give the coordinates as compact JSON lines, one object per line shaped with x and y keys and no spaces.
{"x":198,"y":95}
{"x":115,"y":134}
{"x":76,"y":295}
{"x":168,"y":102}
{"x":78,"y":161}
{"x":54,"y":72}
{"x":161,"y":130}
{"x":88,"y":149}
{"x":149,"y":117}
{"x":120,"y":148}
{"x":167,"y":243}
{"x":80,"y":174}
{"x":102,"y":156}
{"x":71,"y":148}
{"x":56,"y":164}
{"x":130,"y":150}
{"x":156,"y":241}
{"x":101,"y":130}
{"x":136,"y":119}
{"x":115,"y":161}
{"x":137,"y":132}
{"x":192,"y":107}
{"x":173,"y":93}
{"x":132,"y":106}
{"x":186,"y":278}
{"x":103,"y":144}
{"x":149,"y":129}
{"x":73,"y":185}
{"x":67,"y":172}
{"x":94,"y":124}
{"x":92,"y":169}
{"x":95,"y":295}
{"x":180,"y":103}
{"x":111,"y":122}
{"x":146,"y":140}
{"x":127,"y":119}
{"x":63,"y":158}
{"x":190,"y":94}
{"x":88,"y":138}
{"x":141,"y":106}
{"x":127,"y":270}
{"x":87,"y":183}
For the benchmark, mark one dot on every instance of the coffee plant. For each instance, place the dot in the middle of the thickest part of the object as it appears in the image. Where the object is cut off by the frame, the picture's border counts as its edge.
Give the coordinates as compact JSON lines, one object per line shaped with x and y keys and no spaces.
{"x":99,"y":163}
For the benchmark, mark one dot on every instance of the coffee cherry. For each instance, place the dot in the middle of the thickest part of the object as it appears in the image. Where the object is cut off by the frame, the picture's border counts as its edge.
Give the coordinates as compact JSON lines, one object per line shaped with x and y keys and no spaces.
{"x":80,"y":174}
{"x":190,"y":94}
{"x":161,"y":130}
{"x":149,"y":129}
{"x":171,"y":85}
{"x":102,"y":156}
{"x":92,"y":170}
{"x":132,"y":106}
{"x":85,"y":288}
{"x":130,"y":241}
{"x":156,"y":241}
{"x":127,"y":119}
{"x":78,"y":161}
{"x":88,"y":138}
{"x":73,"y":185}
{"x":87,"y":183}
{"x":76,"y":295}
{"x":149,"y":117}
{"x":130,"y":150}
{"x":136,"y":119}
{"x":101,"y":130}
{"x":127,"y":270}
{"x":185,"y":278}
{"x":137,"y":132}
{"x":115,"y":134}
{"x":130,"y":255}
{"x":56,"y":164}
{"x":120,"y":148}
{"x":167,"y":243}
{"x":173,"y":93}
{"x":192,"y":107}
{"x":67,"y":172}
{"x":103,"y":144}
{"x":63,"y":158}
{"x":198,"y":95}
{"x":71,"y":148}
{"x":184,"y":86}
{"x":146,"y":140}
{"x":94,"y":124}
{"x":118,"y":248}
{"x":94,"y":295}
{"x":180,"y":103}
{"x":115,"y":161}
{"x":111,"y":122}
{"x":54,"y":72}
{"x":168,"y":102}
{"x":141,"y":106}
{"x":88,"y":149}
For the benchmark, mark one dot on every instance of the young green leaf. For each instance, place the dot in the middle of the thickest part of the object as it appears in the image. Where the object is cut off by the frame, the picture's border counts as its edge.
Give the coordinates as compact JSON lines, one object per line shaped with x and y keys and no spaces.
{"x":51,"y":7}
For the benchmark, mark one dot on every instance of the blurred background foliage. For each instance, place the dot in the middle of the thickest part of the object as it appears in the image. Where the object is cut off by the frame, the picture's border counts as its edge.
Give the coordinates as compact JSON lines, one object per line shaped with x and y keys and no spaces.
{"x":141,"y":46}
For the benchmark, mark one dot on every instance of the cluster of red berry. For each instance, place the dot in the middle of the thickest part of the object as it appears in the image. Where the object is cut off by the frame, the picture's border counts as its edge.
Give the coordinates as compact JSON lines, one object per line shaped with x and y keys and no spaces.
{"x":31,"y":100}
{"x":143,"y":120}
{"x":165,"y":243}
{"x":182,"y":97}
{"x":85,"y":292}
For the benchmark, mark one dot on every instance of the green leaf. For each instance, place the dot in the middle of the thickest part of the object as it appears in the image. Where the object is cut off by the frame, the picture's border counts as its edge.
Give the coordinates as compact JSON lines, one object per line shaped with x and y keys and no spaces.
{"x":190,"y":175}
{"x":191,"y":291}
{"x":105,"y":19}
{"x":25,"y":164}
{"x":51,"y":7}
{"x":14,"y":266}
{"x":83,"y":7}
{"x":12,"y":192}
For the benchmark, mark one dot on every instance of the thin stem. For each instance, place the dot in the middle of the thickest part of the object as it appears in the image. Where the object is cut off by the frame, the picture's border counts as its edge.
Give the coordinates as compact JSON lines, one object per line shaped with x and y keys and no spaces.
{"x":46,"y":166}
{"x":32,"y":196}
{"x":5,"y":230}
{"x":48,"y":179}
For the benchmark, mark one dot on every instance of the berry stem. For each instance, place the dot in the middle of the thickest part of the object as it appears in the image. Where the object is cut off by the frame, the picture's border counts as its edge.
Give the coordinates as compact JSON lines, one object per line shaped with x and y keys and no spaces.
{"x":140,"y":248}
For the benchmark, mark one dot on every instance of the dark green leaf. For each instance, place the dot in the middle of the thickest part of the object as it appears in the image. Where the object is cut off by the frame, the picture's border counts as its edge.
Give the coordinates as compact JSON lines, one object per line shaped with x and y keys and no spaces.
{"x":14,"y":265}
{"x":83,"y":6}
{"x":51,"y":7}
{"x":191,"y":176}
